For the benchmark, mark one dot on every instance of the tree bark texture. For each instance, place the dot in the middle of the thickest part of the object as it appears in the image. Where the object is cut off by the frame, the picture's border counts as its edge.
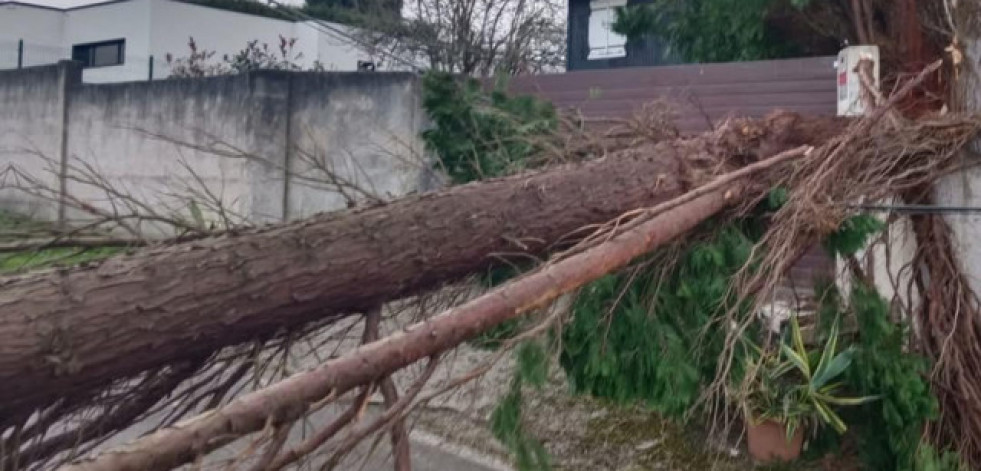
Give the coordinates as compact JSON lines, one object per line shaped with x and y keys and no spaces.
{"x":286,"y":400}
{"x":69,"y":330}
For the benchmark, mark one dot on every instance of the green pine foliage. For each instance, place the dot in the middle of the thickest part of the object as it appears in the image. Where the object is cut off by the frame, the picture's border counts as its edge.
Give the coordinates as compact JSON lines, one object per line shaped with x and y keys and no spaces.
{"x":709,"y":30}
{"x":478,"y":135}
{"x":853,"y":234}
{"x":638,"y":338}
{"x":505,"y":423}
{"x":929,"y":459}
{"x":889,"y":430}
{"x":532,"y":363}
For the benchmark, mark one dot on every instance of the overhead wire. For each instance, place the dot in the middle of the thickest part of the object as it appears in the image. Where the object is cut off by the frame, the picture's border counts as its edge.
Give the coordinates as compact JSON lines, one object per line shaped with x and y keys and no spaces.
{"x":917,"y":208}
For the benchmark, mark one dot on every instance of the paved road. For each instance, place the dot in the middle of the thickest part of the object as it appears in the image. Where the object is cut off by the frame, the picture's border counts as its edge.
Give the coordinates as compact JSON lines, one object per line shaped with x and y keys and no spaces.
{"x":425,"y":457}
{"x":428,"y":453}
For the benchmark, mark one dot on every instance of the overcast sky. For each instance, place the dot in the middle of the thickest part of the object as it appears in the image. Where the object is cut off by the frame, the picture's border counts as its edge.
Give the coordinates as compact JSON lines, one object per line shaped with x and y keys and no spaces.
{"x":75,"y":3}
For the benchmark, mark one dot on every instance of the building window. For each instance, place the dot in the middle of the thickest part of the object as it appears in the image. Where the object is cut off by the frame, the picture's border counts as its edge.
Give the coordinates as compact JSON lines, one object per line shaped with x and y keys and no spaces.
{"x":100,"y":54}
{"x":604,"y":43}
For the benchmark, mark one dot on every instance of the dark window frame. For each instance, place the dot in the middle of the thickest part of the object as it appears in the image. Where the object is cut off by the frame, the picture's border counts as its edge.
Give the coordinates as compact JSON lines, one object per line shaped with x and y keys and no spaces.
{"x":85,"y":53}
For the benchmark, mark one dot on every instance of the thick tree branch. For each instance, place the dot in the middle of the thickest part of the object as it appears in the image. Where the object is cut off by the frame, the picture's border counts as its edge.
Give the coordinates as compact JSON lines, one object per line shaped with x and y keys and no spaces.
{"x":288,"y":398}
{"x":55,"y":325}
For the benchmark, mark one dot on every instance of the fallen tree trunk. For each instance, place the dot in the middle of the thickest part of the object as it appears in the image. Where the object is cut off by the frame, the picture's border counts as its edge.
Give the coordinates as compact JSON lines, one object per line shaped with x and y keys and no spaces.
{"x":289,"y":399}
{"x":75,"y":329}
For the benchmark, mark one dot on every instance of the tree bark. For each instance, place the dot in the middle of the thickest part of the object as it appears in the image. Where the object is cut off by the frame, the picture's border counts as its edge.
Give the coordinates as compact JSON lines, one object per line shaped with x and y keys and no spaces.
{"x":289,"y":398}
{"x":74,"y":329}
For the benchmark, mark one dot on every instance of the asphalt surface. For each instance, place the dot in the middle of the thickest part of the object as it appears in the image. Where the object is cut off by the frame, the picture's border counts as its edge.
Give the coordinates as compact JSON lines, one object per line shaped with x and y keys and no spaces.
{"x":429,"y":453}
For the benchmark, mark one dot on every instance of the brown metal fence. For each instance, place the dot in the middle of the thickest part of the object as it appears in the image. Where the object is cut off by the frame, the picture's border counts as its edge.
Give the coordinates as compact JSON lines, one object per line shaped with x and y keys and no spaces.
{"x":703,"y":94}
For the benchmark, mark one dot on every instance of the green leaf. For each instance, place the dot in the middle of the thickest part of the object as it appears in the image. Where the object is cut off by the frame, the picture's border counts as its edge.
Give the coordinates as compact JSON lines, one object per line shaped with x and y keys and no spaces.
{"x":797,"y":354}
{"x":834,"y":367}
{"x":799,"y":362}
{"x":847,"y":401}
{"x":830,"y":365}
{"x":831,"y":389}
{"x":783,"y":368}
{"x":830,"y":417}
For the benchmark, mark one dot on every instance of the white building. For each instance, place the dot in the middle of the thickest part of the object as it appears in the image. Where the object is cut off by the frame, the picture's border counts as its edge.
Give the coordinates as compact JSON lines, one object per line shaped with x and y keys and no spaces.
{"x":125,"y":40}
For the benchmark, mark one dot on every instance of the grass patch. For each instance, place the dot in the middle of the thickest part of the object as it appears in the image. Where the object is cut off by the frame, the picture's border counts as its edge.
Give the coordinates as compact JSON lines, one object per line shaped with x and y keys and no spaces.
{"x":14,"y":226}
{"x":17,"y":262}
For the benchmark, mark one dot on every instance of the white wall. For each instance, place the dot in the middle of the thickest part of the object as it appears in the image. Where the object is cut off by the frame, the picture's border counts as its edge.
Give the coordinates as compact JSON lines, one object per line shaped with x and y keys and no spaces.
{"x":333,"y":50}
{"x":960,"y":189}
{"x":128,"y":20}
{"x":154,"y":28}
{"x":227,"y":32}
{"x":222,"y":31}
{"x":40,"y":28}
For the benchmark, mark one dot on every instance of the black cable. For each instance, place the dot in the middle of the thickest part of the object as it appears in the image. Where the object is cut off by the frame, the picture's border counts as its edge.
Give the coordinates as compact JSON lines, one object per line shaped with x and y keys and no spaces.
{"x":917,"y":208}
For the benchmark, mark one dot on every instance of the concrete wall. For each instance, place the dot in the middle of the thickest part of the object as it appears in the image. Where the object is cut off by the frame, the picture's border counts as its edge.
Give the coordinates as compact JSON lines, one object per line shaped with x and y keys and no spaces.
{"x":259,"y":142}
{"x":32,"y":115}
{"x":129,"y":132}
{"x":363,"y":126}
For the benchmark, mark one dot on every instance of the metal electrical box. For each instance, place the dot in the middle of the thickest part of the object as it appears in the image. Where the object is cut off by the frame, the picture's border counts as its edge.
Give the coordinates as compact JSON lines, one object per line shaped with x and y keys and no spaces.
{"x":850,"y":101}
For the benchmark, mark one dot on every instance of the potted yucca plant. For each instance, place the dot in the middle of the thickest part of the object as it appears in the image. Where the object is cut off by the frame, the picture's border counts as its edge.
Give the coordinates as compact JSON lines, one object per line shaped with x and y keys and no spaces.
{"x":792,"y":388}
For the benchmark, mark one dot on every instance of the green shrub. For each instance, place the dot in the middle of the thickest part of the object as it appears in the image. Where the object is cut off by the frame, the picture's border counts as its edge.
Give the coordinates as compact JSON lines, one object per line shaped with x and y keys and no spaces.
{"x":890,"y":429}
{"x":505,"y":422}
{"x":479,"y":134}
{"x":635,"y":338}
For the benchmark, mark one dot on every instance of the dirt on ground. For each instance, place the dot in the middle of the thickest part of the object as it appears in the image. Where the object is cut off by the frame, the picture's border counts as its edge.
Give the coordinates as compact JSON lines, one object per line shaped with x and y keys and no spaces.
{"x":584,"y":433}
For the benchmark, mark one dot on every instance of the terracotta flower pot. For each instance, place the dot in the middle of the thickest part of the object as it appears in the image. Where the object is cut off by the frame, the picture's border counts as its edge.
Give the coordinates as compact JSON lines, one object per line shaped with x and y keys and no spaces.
{"x":768,"y":442}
